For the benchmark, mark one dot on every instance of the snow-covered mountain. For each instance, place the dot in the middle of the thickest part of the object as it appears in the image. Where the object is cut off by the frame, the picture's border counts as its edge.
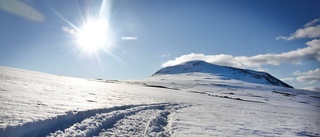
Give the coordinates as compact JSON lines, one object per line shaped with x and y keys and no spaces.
{"x":223,"y":71}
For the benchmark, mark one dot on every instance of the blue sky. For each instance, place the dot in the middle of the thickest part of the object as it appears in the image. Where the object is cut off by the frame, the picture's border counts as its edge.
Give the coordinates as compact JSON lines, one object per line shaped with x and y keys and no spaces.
{"x":277,"y":36}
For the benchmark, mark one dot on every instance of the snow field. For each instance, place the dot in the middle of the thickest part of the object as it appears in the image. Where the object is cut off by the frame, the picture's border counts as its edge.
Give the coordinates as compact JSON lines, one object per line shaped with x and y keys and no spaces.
{"x":192,"y":104}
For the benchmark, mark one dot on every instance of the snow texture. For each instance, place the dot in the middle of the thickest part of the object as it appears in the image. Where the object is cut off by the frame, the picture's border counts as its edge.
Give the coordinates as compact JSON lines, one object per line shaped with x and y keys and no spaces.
{"x":228,"y":72}
{"x":167,"y":104}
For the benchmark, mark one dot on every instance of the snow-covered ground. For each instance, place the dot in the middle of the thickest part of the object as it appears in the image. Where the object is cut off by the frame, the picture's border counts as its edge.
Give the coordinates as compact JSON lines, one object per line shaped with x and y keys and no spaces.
{"x":186,"y":104}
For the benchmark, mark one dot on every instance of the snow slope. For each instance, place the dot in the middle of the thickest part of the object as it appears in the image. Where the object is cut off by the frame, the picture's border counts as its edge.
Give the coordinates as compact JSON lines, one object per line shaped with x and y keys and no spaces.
{"x":227,"y":72}
{"x":184,"y":104}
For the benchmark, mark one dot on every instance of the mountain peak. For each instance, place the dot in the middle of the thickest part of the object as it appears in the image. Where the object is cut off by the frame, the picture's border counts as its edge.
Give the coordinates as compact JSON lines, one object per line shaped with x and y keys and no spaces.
{"x":223,"y":71}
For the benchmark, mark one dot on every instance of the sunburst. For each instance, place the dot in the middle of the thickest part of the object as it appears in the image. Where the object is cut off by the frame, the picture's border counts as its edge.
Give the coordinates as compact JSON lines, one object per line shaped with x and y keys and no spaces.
{"x":93,"y":35}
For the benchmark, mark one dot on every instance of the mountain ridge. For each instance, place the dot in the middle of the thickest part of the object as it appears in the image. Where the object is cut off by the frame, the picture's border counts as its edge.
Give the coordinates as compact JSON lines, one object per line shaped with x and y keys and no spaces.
{"x":224,"y":71}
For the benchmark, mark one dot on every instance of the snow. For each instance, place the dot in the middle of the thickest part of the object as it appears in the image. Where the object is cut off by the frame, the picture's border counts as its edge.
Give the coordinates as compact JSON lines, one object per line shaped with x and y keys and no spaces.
{"x":177,"y":104}
{"x":227,"y":72}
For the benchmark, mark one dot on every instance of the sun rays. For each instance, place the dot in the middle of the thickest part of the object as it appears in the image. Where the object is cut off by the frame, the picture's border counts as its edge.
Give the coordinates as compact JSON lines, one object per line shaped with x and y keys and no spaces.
{"x":93,"y":35}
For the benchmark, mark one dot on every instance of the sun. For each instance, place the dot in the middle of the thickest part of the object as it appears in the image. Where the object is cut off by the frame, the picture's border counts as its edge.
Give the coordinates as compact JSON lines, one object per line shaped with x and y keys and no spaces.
{"x":93,"y":35}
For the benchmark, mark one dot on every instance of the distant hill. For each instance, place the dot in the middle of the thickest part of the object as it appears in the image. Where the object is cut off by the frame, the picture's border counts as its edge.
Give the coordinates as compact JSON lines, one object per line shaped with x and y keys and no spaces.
{"x":223,"y":71}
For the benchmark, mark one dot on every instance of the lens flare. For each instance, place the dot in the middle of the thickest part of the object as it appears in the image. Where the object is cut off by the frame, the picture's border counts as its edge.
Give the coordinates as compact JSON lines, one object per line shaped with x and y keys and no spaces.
{"x":93,"y":35}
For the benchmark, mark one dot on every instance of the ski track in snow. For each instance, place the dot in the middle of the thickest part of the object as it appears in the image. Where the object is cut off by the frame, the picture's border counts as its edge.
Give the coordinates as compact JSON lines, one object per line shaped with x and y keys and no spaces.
{"x":127,"y":120}
{"x":150,"y":122}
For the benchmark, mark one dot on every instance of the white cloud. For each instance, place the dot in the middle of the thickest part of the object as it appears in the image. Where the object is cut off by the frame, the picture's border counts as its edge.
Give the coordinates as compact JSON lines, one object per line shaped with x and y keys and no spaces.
{"x":309,"y":53}
{"x":287,"y":79}
{"x":310,"y":72}
{"x":316,"y":89}
{"x":165,"y":55}
{"x":21,"y":9}
{"x":309,"y":77}
{"x":309,"y":30}
{"x":129,"y":38}
{"x":311,"y":23}
{"x":222,"y":59}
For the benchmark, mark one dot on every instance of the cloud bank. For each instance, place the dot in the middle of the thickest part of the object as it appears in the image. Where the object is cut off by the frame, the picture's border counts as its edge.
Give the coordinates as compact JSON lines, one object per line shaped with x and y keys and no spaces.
{"x":309,"y":30}
{"x":309,"y":53}
{"x":309,"y":77}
